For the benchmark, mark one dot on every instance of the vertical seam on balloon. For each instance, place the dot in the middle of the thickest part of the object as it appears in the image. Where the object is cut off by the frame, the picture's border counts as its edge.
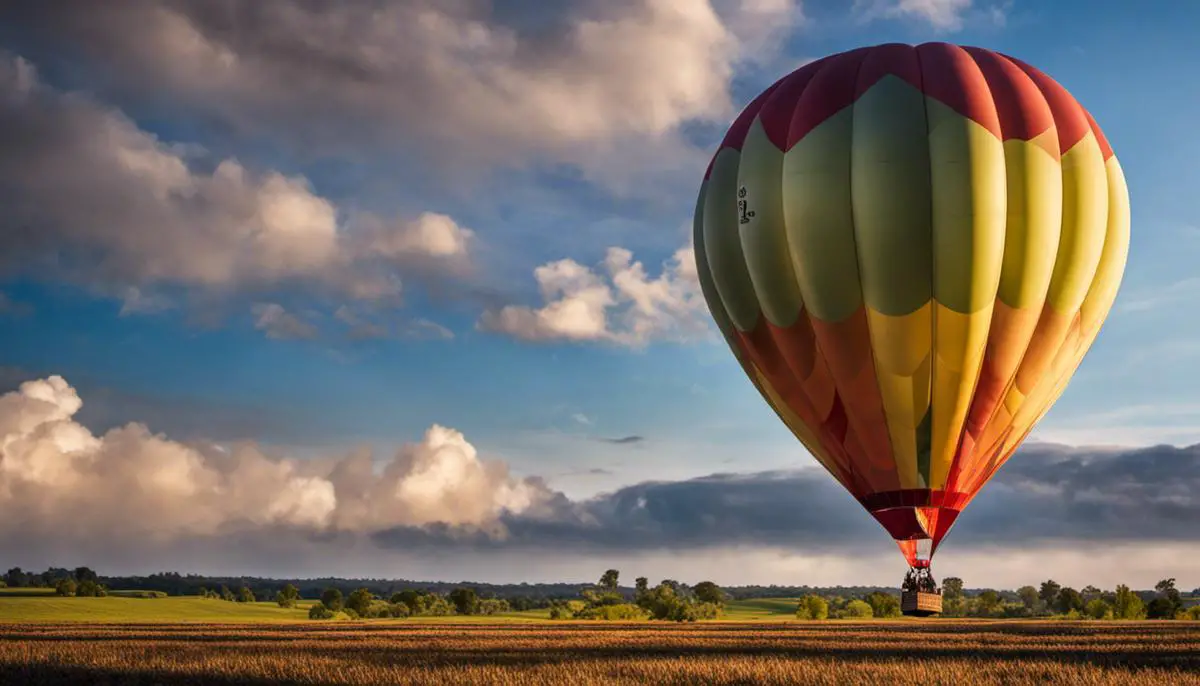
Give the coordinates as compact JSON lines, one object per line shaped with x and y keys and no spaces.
{"x":933,"y":303}
{"x":962,"y":430}
{"x":978,"y":477}
{"x":858,"y":261}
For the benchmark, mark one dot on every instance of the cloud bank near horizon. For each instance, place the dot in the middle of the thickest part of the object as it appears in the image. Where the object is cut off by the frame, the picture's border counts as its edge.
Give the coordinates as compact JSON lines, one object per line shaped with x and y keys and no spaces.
{"x":130,"y":497}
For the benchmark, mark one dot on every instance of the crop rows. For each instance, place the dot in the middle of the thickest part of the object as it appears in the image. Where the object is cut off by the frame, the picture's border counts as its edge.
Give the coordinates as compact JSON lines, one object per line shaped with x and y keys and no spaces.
{"x":935,"y":652}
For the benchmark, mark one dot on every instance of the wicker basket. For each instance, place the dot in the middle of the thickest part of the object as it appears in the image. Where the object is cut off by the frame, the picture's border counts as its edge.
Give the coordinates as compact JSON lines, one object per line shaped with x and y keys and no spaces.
{"x":920,"y":604}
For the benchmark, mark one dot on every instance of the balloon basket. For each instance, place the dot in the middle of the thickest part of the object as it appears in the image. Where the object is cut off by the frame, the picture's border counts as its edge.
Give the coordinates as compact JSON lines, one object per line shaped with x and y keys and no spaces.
{"x":920,"y":603}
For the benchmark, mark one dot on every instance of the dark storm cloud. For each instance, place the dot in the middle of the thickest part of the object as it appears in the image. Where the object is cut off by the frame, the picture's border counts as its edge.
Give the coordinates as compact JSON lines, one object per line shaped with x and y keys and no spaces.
{"x":1046,"y":495}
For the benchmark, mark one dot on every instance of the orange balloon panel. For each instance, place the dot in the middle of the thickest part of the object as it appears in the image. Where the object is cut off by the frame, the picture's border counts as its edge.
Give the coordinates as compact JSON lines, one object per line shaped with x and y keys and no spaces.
{"x":909,"y":250}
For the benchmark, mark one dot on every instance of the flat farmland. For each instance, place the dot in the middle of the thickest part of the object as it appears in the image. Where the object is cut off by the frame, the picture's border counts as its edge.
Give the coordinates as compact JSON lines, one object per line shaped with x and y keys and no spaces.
{"x":878,"y":652}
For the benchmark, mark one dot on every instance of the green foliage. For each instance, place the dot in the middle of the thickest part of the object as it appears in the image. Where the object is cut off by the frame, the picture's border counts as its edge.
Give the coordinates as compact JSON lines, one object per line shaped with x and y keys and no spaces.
{"x":320,"y":611}
{"x":359,"y":601}
{"x":245,"y":595}
{"x":65,"y":587}
{"x":612,"y":613}
{"x":288,"y":596}
{"x":332,"y":599}
{"x":954,"y":607}
{"x":857,"y":609}
{"x":1127,"y":604}
{"x":883,"y":604}
{"x":87,"y":589}
{"x":16,"y":578}
{"x":1049,"y":592}
{"x":493,"y":606}
{"x":608,"y":580}
{"x":952,"y":587}
{"x":1068,"y":599}
{"x":1168,"y":603}
{"x":986,"y":604}
{"x":82,"y":574}
{"x":465,"y":600}
{"x":1192,"y":613}
{"x":1029,"y":597}
{"x":708,"y":592}
{"x":1098,"y":609}
{"x":227,"y":594}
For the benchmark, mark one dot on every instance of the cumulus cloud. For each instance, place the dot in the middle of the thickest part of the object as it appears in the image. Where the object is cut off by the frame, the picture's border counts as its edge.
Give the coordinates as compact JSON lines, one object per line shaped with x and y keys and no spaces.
{"x":92,"y":198}
{"x":498,"y":82}
{"x":617,"y":303}
{"x":63,"y":487}
{"x":58,"y":479}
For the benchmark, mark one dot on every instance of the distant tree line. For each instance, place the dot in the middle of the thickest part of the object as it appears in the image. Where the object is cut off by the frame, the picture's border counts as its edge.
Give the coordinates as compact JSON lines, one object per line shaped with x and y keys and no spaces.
{"x":1050,"y":600}
{"x":607,"y":599}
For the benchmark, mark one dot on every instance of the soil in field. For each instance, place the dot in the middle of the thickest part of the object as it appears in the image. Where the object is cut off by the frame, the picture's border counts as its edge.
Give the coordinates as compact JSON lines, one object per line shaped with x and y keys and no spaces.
{"x":936,"y":652}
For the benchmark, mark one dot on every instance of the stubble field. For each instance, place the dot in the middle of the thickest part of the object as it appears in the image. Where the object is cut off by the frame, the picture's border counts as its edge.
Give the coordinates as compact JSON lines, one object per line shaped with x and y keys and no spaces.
{"x":928,"y":652}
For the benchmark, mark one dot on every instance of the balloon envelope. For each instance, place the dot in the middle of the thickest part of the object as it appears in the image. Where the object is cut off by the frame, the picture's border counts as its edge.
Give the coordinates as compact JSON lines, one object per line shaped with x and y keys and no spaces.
{"x":909,"y":250}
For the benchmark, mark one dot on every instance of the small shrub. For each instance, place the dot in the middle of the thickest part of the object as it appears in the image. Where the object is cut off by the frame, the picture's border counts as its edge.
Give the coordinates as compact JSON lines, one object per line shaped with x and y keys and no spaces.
{"x":613,"y":613}
{"x":857,"y":609}
{"x":319,"y":611}
{"x":812,"y":607}
{"x":1098,"y":609}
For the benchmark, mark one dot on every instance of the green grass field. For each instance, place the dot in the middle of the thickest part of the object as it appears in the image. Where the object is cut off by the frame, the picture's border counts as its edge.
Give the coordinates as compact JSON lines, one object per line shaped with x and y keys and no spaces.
{"x":43,"y":606}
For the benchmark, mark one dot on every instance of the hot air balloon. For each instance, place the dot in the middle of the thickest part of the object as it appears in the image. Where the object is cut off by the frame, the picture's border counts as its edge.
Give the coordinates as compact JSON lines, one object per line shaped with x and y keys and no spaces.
{"x":909,"y":250}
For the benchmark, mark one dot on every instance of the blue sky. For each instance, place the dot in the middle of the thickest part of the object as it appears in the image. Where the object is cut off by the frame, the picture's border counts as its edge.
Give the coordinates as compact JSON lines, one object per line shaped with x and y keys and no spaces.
{"x":136,"y":291}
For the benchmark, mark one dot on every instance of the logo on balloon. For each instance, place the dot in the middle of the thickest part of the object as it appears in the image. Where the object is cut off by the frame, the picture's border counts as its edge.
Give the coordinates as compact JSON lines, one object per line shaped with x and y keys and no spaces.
{"x":744,"y":214}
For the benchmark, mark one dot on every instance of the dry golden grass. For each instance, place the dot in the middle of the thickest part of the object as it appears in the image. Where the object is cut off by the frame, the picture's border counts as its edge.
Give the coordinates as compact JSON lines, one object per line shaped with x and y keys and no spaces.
{"x":932,"y":652}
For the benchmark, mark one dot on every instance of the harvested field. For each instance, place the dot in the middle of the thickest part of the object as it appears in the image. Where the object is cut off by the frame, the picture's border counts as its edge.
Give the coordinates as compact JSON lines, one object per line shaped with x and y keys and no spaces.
{"x":933,"y":652}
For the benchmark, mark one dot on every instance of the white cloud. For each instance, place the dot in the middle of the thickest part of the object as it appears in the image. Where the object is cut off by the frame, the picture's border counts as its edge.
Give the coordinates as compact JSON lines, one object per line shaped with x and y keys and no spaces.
{"x":92,"y":198}
{"x":58,"y":479}
{"x":279,"y":324}
{"x":577,"y":88}
{"x":946,"y":15}
{"x":618,"y":303}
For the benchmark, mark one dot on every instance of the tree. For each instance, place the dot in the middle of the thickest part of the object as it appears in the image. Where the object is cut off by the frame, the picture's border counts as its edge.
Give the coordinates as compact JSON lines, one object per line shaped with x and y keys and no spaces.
{"x":1090,"y":592}
{"x":1098,"y":609}
{"x":857,"y":609}
{"x":1127,"y":604}
{"x":332,"y":599}
{"x":987,"y":603}
{"x":641,"y":584}
{"x":812,"y":607}
{"x":359,"y":601}
{"x":952,"y":587}
{"x":1171,"y":601}
{"x":16,"y":578}
{"x":608,"y":580}
{"x":87,"y":589}
{"x":83,"y":574}
{"x":1068,"y":599}
{"x":410,"y":598}
{"x":226,"y":594}
{"x":1049,"y":592}
{"x":1029,"y":597}
{"x":65,"y":587}
{"x":465,"y":600}
{"x":245,"y":595}
{"x":708,"y":592}
{"x":288,"y":596}
{"x":883,"y":604}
